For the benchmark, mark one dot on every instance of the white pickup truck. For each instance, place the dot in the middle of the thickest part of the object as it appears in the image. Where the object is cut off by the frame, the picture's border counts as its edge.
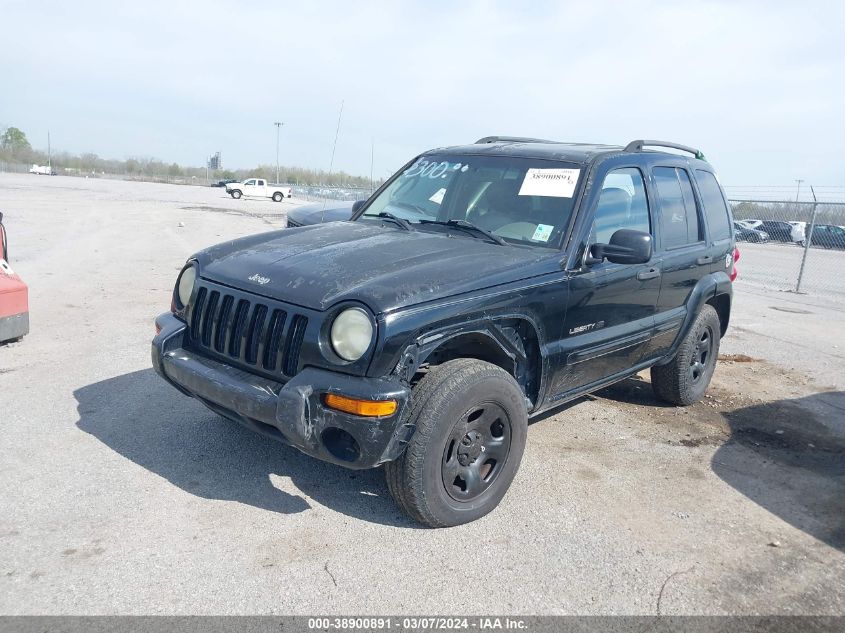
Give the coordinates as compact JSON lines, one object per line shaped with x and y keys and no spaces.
{"x":42,"y":170}
{"x":258,"y":188}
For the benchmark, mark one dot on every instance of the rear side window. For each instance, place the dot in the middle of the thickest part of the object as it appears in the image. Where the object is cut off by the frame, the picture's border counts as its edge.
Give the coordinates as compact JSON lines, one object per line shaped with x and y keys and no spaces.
{"x":715,"y":208}
{"x":678,"y":213}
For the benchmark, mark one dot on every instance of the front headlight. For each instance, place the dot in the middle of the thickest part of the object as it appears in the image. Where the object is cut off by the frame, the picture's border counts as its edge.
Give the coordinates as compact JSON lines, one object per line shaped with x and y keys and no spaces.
{"x":351,"y":334}
{"x":185,"y":285}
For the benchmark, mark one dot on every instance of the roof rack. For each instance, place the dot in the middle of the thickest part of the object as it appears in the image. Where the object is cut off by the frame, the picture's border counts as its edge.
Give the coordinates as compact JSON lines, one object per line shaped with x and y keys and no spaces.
{"x":637,"y":146}
{"x":510,"y":139}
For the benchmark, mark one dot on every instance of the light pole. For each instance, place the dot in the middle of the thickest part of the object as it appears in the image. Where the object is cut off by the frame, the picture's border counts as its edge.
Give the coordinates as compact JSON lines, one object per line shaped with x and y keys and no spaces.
{"x":278,"y":125}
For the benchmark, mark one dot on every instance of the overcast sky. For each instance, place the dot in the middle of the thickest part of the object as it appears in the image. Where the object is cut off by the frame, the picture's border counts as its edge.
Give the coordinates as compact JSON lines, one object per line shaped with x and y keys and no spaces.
{"x":759,"y":87}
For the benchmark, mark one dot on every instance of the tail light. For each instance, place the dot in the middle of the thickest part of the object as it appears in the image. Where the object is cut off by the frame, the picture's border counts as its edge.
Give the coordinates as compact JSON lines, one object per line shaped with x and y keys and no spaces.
{"x":734,"y":271}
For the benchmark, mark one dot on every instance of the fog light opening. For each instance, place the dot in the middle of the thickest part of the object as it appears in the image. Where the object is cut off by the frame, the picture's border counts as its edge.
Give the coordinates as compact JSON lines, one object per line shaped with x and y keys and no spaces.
{"x":341,"y":444}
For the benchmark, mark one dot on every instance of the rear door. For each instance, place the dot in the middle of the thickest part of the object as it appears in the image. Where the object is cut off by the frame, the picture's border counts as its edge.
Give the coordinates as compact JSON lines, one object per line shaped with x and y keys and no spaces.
{"x":717,"y":217}
{"x":681,"y":247}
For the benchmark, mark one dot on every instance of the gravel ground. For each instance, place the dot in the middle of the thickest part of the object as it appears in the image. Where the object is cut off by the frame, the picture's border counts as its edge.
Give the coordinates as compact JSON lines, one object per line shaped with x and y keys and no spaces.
{"x":121,"y":496}
{"x":777,"y":266}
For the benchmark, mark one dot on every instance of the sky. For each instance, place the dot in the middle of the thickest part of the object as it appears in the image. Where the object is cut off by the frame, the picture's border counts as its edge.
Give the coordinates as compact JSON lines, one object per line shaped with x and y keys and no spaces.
{"x":758,"y":86}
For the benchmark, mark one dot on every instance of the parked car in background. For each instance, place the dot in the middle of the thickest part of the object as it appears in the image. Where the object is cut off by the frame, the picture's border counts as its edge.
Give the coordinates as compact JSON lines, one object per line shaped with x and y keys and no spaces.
{"x":783,"y":231}
{"x":749,"y":235}
{"x":223,"y":183}
{"x":14,"y":296}
{"x":258,"y":188}
{"x":330,"y":211}
{"x":828,"y":236}
{"x":749,"y":223}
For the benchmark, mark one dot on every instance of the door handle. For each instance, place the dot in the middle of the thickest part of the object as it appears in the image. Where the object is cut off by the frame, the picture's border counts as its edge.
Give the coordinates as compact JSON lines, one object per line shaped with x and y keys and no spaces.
{"x":651,"y":273}
{"x":704,"y":259}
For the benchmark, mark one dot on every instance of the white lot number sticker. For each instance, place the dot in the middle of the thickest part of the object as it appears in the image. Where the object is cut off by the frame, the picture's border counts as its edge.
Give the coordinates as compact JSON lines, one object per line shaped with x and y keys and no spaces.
{"x":437,"y":198}
{"x":543,"y":232}
{"x":552,"y":183}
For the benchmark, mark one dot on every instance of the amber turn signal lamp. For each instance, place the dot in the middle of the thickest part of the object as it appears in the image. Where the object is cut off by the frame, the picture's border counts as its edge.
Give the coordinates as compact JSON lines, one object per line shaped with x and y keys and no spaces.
{"x":366,"y":408}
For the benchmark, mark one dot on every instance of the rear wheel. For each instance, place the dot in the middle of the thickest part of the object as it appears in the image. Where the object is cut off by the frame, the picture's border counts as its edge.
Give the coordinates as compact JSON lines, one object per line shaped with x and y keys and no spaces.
{"x":277,"y":197}
{"x":236,"y":194}
{"x":686,"y":377}
{"x":471,"y":425}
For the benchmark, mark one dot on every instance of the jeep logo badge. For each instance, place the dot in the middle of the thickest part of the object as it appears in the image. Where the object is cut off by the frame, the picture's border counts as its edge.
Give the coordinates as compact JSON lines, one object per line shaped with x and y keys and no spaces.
{"x":259,"y":279}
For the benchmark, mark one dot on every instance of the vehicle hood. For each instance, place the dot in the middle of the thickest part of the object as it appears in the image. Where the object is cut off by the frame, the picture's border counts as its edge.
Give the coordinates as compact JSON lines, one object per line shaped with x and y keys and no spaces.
{"x":381,"y":266}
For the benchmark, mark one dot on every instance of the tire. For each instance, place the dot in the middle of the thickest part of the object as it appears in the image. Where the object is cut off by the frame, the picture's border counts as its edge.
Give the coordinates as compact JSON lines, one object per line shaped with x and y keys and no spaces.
{"x":471,"y":426}
{"x":236,"y":193}
{"x":686,"y":377}
{"x":278,"y":196}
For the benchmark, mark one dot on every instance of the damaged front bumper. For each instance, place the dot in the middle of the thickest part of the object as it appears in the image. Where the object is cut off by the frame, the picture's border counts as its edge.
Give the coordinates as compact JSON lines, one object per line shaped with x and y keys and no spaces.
{"x":292,"y":412}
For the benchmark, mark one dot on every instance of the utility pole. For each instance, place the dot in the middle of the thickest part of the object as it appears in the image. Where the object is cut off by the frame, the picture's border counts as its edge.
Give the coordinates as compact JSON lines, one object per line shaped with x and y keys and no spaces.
{"x":798,"y":193}
{"x":49,"y":154}
{"x":278,"y":125}
{"x":372,"y":158}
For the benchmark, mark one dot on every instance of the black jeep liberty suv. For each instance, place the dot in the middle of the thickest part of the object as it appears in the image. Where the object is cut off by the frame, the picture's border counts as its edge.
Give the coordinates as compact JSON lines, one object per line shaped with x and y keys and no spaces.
{"x":481,"y":285}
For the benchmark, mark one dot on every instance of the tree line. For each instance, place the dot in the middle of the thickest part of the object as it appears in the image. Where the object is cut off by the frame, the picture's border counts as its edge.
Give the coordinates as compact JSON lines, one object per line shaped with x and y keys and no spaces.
{"x":16,"y":148}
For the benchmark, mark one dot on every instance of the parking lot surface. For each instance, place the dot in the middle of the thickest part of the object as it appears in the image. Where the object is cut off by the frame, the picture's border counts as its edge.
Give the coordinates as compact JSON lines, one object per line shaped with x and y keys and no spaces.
{"x":121,"y":496}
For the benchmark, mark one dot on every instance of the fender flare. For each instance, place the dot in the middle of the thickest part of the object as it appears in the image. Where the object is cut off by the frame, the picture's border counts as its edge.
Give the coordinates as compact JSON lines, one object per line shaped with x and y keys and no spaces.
{"x":501,"y":333}
{"x":706,"y":288}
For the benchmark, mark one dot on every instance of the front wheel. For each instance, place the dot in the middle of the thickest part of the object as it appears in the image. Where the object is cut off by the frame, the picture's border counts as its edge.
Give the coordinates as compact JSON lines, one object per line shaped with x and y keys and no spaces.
{"x":471,"y":426}
{"x":236,"y":194}
{"x":277,"y":197}
{"x":686,"y":377}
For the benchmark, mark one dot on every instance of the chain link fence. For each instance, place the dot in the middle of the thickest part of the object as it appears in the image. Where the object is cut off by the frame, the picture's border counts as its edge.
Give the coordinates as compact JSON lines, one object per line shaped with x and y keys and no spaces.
{"x":794,"y":246}
{"x":346,"y":194}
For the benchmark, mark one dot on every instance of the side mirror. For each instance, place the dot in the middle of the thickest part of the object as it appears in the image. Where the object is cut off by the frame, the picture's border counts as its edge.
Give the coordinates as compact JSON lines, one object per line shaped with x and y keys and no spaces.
{"x":627,"y":246}
{"x":357,"y":205}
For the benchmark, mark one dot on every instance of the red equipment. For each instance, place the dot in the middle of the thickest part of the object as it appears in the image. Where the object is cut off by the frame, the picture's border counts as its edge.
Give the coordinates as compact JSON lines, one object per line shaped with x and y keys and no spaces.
{"x":14,"y":302}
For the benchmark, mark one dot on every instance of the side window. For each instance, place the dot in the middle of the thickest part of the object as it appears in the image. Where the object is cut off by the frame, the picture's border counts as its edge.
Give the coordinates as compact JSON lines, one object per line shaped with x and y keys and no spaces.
{"x":678,"y":213}
{"x":249,"y":182}
{"x":622,"y":205}
{"x":715,"y":208}
{"x":260,"y":183}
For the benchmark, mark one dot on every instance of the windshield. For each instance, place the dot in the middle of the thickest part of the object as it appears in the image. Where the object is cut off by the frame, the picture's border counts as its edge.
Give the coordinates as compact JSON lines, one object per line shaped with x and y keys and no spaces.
{"x":522,"y":200}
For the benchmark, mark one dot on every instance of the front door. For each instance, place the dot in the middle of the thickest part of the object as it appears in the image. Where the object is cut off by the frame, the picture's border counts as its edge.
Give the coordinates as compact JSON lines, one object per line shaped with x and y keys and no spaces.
{"x":611,"y":307}
{"x":251,"y":187}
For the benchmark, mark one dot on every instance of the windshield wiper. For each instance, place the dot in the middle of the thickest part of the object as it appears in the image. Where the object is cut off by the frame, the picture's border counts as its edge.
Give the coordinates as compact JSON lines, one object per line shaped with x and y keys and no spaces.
{"x":387,"y":215}
{"x":468,"y":226}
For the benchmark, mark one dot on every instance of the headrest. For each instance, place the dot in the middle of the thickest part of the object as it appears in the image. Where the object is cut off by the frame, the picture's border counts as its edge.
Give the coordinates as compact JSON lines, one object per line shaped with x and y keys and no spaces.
{"x":614,"y":197}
